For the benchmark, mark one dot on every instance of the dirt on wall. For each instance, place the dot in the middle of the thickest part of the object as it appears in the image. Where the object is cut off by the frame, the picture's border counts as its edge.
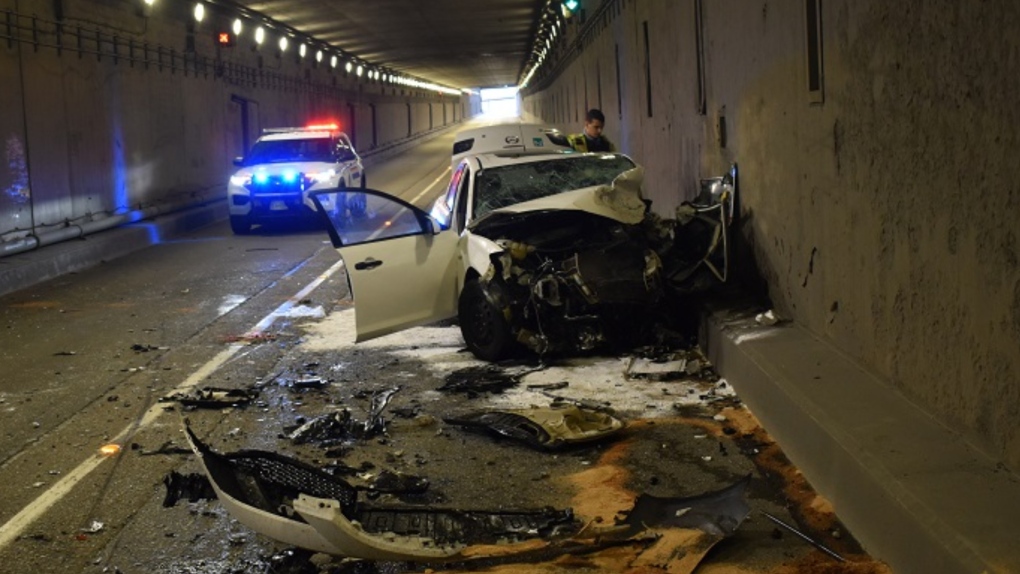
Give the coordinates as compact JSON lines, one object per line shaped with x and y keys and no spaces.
{"x":881,"y":210}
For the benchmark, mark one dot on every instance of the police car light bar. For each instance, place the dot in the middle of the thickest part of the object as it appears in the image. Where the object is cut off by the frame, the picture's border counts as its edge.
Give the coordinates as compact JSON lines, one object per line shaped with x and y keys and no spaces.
{"x":314,"y":127}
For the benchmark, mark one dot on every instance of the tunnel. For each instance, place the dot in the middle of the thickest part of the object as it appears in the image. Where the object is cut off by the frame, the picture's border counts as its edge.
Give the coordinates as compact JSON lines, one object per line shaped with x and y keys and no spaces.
{"x":870,"y":320}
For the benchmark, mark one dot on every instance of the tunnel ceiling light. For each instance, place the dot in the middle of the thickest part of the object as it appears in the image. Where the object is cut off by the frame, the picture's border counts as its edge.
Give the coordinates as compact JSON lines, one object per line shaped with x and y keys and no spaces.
{"x":283,"y":43}
{"x":302,"y":50}
{"x":361,"y":70}
{"x":333,"y":61}
{"x":318,"y":56}
{"x":260,"y":35}
{"x":149,"y":2}
{"x":199,"y":12}
{"x":349,"y":67}
{"x":238,"y":26}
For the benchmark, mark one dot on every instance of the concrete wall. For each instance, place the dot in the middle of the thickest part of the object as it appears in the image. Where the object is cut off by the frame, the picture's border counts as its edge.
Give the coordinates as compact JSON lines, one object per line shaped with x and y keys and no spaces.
{"x":133,"y":118}
{"x":881,"y":209}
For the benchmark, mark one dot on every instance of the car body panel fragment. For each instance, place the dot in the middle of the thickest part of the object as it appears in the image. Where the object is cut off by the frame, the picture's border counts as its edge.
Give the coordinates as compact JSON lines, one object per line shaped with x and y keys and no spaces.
{"x":300,"y":505}
{"x":547,"y":428}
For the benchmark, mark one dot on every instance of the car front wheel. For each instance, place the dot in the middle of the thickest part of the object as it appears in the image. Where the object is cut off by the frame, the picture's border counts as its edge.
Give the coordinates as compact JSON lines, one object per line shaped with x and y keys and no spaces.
{"x":483,"y":325}
{"x":240,"y":224}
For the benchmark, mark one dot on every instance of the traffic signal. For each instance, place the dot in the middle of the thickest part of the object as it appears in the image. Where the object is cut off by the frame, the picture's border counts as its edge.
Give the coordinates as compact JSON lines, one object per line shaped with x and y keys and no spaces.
{"x":225,"y":38}
{"x":571,"y":6}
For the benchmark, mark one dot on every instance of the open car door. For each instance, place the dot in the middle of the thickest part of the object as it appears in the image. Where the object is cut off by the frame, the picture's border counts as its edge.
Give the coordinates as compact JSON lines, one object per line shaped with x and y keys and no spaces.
{"x":402,"y":267}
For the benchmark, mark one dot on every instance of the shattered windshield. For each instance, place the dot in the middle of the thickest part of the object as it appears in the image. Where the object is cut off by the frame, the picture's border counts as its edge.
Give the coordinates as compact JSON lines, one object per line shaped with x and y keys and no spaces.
{"x":278,"y":151}
{"x":502,"y":186}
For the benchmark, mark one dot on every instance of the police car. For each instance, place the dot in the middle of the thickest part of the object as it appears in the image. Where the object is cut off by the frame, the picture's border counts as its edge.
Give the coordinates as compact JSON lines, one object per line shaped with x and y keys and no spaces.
{"x":284,"y":165}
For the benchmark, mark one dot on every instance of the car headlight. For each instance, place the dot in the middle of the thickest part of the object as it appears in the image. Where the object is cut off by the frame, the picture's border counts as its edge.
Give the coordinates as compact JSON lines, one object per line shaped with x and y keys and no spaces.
{"x":241,"y":179}
{"x":321,"y":176}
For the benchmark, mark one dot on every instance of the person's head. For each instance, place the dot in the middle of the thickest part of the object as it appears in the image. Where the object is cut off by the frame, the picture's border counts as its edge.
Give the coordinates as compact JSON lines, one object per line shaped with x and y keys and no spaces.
{"x":594,"y":121}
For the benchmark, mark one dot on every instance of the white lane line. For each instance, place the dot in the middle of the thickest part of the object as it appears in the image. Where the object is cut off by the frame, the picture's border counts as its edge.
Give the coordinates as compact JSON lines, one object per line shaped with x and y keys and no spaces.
{"x":20,"y":521}
{"x":431,"y":185}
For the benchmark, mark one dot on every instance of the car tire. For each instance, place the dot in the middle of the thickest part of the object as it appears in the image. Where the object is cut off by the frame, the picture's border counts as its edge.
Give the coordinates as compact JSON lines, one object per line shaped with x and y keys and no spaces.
{"x":482,"y":324}
{"x":240,"y":224}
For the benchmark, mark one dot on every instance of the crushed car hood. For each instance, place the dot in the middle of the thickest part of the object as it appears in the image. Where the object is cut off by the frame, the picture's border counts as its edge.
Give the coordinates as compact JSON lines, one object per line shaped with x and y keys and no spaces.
{"x":620,"y":201}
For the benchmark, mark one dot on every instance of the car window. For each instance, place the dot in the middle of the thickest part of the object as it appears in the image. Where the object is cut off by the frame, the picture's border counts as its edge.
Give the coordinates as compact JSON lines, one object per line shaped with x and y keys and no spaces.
{"x":344,"y":149}
{"x":442,"y":210}
{"x":278,"y":151}
{"x":507,"y":185}
{"x":358,"y":217}
{"x":463,"y":198}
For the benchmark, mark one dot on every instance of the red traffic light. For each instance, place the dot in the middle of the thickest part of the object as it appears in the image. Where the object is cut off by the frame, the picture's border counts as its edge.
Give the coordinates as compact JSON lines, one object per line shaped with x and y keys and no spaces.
{"x":225,"y":38}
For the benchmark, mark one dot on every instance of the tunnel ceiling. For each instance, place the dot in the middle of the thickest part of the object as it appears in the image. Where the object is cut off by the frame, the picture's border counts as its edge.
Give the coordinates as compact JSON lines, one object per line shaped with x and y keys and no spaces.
{"x":458,"y":43}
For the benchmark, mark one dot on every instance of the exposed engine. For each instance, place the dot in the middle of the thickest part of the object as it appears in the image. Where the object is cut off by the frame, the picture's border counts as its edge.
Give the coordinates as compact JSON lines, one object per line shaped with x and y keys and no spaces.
{"x":571,"y":281}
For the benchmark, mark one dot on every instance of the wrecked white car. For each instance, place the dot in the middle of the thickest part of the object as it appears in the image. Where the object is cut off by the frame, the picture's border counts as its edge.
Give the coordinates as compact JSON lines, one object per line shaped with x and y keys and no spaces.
{"x":552,"y":252}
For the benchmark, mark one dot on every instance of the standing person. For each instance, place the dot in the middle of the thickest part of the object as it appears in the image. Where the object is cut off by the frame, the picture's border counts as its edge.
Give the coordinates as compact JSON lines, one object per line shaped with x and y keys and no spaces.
{"x":592,"y":139}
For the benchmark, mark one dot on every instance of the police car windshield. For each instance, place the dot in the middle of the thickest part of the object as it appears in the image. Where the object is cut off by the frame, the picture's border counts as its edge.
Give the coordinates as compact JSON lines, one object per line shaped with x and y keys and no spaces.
{"x":508,"y":185}
{"x":277,"y":151}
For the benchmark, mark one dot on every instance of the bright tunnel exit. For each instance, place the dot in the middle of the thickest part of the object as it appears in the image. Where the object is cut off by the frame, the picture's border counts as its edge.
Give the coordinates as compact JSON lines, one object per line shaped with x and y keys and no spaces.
{"x":500,"y":102}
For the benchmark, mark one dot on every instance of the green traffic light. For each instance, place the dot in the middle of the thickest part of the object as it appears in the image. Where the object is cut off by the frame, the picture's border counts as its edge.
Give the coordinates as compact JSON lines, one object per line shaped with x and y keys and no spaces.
{"x":571,"y":4}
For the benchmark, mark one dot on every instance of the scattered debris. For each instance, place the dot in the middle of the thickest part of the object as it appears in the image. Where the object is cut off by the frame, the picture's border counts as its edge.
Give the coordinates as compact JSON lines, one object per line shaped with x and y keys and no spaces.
{"x":545,"y":428}
{"x":598,"y":406}
{"x":719,"y":513}
{"x":109,"y":449}
{"x":212,"y":398}
{"x":390,"y":482}
{"x":146,"y":348}
{"x":476,"y":380}
{"x":805,"y":537}
{"x":168,"y":448}
{"x":295,"y":503}
{"x":768,"y":318}
{"x":253,"y":338}
{"x":308,"y":383}
{"x":340,"y":426}
{"x":304,"y":311}
{"x":65,"y":353}
{"x":191,"y":487}
{"x":549,"y":386}
{"x":94,"y":527}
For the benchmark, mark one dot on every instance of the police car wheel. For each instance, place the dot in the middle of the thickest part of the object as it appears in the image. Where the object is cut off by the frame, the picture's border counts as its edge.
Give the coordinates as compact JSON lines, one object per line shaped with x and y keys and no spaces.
{"x":240,"y":224}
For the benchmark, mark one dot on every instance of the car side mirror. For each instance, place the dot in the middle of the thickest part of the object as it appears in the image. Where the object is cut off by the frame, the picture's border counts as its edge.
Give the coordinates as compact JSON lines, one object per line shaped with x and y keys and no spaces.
{"x":239,"y":161}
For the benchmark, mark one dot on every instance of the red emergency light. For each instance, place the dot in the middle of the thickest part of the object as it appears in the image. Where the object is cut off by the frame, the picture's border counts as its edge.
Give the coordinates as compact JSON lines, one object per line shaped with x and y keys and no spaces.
{"x":225,"y":38}
{"x":332,"y":127}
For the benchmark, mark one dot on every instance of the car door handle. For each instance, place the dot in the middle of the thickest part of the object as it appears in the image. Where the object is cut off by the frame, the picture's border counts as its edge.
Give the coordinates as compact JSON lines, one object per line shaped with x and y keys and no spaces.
{"x":367,"y":264}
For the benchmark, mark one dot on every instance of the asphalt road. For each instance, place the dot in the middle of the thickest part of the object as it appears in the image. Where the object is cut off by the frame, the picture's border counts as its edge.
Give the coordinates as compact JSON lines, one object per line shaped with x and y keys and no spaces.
{"x":86,"y":359}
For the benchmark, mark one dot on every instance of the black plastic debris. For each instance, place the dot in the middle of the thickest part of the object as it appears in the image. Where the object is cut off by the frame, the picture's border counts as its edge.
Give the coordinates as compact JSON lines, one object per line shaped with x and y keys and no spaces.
{"x":305,"y":383}
{"x":212,"y":398}
{"x":389,"y":482}
{"x":65,"y":353}
{"x":167,"y":448}
{"x":191,"y":487}
{"x":718,"y":513}
{"x":549,"y":386}
{"x":139,"y":348}
{"x":340,"y":426}
{"x":473,"y":381}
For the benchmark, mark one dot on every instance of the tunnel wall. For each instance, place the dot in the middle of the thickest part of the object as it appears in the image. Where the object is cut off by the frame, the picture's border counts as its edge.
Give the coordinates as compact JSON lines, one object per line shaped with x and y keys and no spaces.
{"x":879,"y":208}
{"x":121,"y":111}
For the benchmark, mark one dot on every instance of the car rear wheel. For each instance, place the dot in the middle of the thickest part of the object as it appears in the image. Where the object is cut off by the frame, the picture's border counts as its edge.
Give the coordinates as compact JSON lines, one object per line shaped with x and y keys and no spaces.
{"x":483,"y":325}
{"x":240,"y":224}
